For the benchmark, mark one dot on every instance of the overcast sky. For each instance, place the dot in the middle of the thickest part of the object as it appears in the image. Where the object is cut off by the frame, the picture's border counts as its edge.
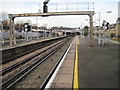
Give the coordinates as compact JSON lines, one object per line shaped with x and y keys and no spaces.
{"x":32,"y":6}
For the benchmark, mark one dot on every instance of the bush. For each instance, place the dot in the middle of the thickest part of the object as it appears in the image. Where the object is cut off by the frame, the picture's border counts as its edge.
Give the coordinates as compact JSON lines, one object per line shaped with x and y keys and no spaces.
{"x":85,"y":32}
{"x":112,"y":35}
{"x":97,"y":34}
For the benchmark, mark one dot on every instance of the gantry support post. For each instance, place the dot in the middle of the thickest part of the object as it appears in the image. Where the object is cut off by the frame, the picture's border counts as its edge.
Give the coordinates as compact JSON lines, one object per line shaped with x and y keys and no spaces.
{"x":12,"y":31}
{"x":91,"y":29}
{"x":90,"y":13}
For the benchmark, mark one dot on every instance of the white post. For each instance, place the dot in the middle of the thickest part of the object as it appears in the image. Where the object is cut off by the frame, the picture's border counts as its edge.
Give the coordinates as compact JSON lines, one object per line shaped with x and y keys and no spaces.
{"x":65,"y":32}
{"x":27,"y":36}
{"x":104,"y":38}
{"x":83,"y":33}
{"x":103,"y":35}
{"x":99,"y":41}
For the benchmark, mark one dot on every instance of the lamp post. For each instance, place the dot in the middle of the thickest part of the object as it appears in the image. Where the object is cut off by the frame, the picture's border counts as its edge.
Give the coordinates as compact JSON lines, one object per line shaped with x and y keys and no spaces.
{"x":99,"y":41}
{"x":82,"y":30}
{"x":45,"y":26}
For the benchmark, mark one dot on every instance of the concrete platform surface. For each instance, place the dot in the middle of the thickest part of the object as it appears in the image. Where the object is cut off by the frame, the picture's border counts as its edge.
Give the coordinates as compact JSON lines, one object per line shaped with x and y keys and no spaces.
{"x":98,"y":65}
{"x":64,"y":77}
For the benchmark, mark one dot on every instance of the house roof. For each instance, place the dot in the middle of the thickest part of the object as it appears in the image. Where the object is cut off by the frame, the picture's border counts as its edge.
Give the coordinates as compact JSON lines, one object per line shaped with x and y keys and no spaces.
{"x":118,"y":19}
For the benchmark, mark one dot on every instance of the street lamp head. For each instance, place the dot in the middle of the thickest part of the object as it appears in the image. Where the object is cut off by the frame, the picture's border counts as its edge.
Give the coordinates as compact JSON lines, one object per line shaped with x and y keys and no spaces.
{"x":45,"y":7}
{"x":46,"y":1}
{"x":109,"y":11}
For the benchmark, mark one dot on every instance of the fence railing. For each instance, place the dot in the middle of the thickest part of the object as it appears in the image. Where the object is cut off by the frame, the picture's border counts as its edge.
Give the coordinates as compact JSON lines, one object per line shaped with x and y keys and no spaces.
{"x":6,"y":34}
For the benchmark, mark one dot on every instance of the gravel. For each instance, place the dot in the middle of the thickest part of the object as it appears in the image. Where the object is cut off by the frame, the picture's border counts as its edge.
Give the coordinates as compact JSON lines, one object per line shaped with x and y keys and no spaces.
{"x":37,"y":76}
{"x":12,"y":73}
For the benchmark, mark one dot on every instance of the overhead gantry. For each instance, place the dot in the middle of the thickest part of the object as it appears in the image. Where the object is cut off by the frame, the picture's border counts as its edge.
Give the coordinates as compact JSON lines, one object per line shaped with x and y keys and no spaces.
{"x":13,"y":16}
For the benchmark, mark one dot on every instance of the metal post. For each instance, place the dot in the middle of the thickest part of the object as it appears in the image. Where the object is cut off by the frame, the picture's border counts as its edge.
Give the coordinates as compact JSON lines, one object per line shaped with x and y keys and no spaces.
{"x":91,"y":29}
{"x":88,"y":6}
{"x":77,"y":6}
{"x":65,"y":32}
{"x":83,"y":32}
{"x":67,"y":7}
{"x":44,"y":32}
{"x":99,"y":41}
{"x":93,"y":6}
{"x":103,"y":38}
{"x":56,"y":7}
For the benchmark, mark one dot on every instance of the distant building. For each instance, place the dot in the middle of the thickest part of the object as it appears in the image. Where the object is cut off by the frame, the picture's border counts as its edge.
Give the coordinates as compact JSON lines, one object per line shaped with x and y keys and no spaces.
{"x":111,"y":26}
{"x":118,"y":26}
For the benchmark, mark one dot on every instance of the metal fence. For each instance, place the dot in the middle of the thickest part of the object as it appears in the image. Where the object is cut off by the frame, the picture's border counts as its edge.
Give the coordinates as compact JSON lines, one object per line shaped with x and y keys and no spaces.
{"x":6,"y":34}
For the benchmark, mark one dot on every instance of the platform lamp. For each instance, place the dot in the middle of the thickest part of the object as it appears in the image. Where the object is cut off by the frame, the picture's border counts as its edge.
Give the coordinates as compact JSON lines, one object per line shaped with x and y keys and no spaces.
{"x":45,"y":7}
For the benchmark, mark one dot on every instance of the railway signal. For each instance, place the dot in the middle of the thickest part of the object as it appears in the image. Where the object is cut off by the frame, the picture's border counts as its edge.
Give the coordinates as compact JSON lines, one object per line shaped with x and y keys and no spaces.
{"x":105,"y":27}
{"x":45,"y":7}
{"x":27,"y":27}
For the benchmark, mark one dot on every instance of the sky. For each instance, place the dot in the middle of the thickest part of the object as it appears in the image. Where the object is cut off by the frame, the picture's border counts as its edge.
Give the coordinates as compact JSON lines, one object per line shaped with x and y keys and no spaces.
{"x":33,"y":6}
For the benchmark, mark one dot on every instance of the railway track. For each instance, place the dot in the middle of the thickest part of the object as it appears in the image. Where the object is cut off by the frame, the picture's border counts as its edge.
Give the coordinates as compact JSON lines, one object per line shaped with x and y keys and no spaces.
{"x":44,"y":84}
{"x":17,"y":52}
{"x":14,"y":66}
{"x":19,"y":76}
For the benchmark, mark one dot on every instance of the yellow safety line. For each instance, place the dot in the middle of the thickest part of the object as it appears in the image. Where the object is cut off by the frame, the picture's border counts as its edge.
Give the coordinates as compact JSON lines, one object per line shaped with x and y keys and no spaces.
{"x":78,"y":40}
{"x":75,"y":86}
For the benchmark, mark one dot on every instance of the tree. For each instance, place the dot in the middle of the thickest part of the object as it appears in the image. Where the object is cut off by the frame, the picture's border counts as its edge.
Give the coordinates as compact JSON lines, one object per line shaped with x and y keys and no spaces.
{"x":86,"y":30}
{"x":5,"y":24}
{"x":5,"y":21}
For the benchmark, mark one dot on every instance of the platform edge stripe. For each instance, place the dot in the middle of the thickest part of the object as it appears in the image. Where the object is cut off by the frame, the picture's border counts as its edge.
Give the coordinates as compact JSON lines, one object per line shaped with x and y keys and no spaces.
{"x":75,"y":86}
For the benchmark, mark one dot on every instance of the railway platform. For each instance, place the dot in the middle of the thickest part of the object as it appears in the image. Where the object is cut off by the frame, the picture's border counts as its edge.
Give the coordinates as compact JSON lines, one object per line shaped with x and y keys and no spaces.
{"x":85,"y":67}
{"x":22,"y":42}
{"x":97,"y":67}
